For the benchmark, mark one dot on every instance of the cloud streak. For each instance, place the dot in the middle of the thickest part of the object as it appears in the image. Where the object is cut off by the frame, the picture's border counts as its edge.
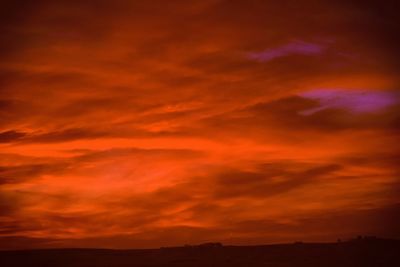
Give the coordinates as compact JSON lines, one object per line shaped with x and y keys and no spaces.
{"x":293,"y":48}
{"x":359,"y":101}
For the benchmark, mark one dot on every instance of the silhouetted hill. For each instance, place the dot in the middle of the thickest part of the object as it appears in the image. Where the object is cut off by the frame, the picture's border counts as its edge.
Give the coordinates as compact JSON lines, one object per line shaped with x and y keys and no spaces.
{"x":355,"y":253}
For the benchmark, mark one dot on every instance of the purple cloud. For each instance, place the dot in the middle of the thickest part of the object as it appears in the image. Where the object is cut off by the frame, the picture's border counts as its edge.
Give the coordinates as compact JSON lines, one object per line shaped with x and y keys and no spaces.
{"x":294,"y":48}
{"x":357,"y":101}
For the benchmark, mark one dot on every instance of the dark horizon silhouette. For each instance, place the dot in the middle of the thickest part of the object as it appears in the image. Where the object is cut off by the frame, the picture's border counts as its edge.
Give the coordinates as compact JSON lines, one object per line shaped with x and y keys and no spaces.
{"x":368,"y":251}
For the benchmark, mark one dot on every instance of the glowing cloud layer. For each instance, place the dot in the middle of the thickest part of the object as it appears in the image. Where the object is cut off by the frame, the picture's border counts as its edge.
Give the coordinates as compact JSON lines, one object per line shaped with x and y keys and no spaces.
{"x":148,"y":123}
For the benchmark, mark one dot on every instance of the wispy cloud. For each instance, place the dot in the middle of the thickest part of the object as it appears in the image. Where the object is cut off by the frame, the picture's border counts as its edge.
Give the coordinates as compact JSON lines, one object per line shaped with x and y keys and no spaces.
{"x":293,"y":48}
{"x":358,"y":101}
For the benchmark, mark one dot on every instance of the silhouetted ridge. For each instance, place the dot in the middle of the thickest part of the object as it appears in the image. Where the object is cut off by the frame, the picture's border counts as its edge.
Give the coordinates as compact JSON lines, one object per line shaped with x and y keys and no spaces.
{"x":358,"y":252}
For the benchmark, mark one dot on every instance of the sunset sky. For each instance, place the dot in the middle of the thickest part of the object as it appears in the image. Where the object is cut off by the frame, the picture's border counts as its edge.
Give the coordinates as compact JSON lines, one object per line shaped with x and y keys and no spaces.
{"x":136,"y":124}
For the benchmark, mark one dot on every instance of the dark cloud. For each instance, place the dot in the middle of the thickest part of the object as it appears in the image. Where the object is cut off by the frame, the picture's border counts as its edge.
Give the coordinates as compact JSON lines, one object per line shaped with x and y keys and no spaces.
{"x":23,"y":242}
{"x":261,"y":184}
{"x":287,"y":114}
{"x":78,"y":134}
{"x":123,"y":152}
{"x":13,"y":112}
{"x":22,"y":173}
{"x":347,"y":224}
{"x":379,"y":23}
{"x":10,"y":136}
{"x":386,"y":160}
{"x":64,"y":135}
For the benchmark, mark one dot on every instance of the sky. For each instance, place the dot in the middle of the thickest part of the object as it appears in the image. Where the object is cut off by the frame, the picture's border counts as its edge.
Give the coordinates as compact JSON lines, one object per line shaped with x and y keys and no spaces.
{"x":139,"y":124}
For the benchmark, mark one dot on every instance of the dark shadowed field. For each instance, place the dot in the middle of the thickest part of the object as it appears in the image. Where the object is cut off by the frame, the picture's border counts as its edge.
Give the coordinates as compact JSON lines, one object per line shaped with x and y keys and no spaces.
{"x":379,"y":253}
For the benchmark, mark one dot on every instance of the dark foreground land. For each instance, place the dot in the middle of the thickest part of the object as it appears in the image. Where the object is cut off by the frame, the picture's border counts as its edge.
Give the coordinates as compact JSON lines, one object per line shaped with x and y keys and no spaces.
{"x":379,"y":253}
